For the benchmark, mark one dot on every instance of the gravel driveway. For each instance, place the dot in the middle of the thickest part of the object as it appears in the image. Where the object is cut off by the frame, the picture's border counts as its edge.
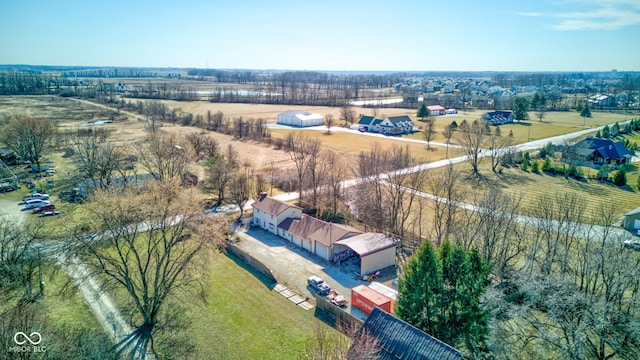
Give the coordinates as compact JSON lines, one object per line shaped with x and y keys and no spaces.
{"x":293,"y":265}
{"x":12,"y":210}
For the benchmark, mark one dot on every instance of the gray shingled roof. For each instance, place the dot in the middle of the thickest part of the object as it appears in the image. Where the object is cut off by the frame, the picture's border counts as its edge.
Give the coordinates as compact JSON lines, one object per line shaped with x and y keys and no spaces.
{"x":365,"y":120}
{"x":400,"y":340}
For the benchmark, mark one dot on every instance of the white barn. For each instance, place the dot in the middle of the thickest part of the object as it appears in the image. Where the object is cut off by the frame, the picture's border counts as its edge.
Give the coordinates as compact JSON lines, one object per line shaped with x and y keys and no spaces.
{"x":300,"y":118}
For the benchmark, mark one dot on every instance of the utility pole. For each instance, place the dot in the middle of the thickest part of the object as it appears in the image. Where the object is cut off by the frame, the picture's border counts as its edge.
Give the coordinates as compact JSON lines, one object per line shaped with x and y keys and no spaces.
{"x":271,"y":191}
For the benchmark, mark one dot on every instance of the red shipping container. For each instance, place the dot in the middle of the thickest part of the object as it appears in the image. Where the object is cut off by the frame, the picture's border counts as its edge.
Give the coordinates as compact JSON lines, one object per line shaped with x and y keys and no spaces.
{"x":366,"y":299}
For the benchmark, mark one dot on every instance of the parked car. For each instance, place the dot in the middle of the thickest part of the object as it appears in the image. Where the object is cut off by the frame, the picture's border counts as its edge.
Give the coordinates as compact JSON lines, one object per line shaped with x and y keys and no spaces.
{"x":632,"y":244}
{"x":47,"y":207}
{"x":321,"y":287}
{"x":43,"y":196}
{"x":35,"y":203}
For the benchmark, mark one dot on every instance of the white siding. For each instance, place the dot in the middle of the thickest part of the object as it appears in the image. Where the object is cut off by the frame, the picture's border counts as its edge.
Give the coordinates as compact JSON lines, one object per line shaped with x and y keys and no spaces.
{"x":306,"y":245}
{"x":322,"y":251}
{"x":378,"y":260}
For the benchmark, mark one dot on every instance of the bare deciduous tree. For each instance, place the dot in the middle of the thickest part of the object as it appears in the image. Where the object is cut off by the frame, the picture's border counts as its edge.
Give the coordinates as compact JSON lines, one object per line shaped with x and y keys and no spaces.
{"x":499,"y":148}
{"x":164,"y":157}
{"x":19,"y":262}
{"x":328,"y":121}
{"x":300,"y":153}
{"x":100,"y":162}
{"x":29,"y":137}
{"x":473,"y":139}
{"x":147,"y":245}
{"x":335,"y":175}
{"x":448,"y":192}
{"x":429,"y":132}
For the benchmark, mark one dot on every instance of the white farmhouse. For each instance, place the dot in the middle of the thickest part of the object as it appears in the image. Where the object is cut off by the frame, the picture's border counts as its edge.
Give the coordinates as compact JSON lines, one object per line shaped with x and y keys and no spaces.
{"x":269,"y":212}
{"x":300,"y":118}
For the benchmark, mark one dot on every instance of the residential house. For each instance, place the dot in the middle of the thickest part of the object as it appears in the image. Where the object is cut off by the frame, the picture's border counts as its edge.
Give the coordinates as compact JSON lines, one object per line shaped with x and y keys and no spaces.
{"x":397,"y":339}
{"x":498,"y":117}
{"x":369,"y":123}
{"x":397,"y":125}
{"x":602,"y":151}
{"x":268,"y":213}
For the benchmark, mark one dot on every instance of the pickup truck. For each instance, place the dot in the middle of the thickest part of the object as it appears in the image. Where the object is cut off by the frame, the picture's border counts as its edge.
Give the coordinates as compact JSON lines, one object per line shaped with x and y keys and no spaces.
{"x":321,"y":287}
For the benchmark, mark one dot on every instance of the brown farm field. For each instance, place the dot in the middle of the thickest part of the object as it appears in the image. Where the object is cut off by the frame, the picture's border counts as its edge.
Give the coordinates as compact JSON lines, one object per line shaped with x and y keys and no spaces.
{"x":354,"y":143}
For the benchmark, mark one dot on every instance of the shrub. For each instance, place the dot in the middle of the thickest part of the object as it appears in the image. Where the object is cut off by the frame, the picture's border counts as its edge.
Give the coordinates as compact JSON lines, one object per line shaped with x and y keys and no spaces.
{"x":535,"y":167}
{"x":620,"y":178}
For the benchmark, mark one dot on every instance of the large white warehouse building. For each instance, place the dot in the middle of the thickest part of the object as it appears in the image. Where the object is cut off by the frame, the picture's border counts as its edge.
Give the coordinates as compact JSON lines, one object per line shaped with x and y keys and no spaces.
{"x":300,"y":118}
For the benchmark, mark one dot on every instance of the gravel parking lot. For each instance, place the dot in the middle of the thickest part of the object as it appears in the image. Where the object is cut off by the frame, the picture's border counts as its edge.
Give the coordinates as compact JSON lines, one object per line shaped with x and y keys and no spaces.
{"x":12,"y":211}
{"x":293,"y":265}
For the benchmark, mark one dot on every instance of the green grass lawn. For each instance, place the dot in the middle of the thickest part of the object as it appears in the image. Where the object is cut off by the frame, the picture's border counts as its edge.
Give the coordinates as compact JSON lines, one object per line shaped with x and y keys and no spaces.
{"x":242,"y":318}
{"x":245,"y":319}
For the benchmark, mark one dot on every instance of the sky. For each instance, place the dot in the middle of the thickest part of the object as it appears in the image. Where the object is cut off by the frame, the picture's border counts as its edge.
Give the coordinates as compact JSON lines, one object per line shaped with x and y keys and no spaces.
{"x":346,"y":35}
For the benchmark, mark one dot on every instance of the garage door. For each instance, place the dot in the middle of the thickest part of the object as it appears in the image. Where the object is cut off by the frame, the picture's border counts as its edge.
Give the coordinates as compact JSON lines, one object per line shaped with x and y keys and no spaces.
{"x":306,"y":245}
{"x":322,"y":251}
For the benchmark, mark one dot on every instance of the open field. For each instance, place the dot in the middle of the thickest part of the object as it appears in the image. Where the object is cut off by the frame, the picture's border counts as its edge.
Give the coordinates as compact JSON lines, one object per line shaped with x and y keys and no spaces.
{"x":354,"y":143}
{"x":270,"y":112}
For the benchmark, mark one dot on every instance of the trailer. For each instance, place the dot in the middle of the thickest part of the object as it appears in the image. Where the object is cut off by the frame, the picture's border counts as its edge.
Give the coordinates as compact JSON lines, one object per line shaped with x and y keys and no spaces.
{"x":366,"y":299}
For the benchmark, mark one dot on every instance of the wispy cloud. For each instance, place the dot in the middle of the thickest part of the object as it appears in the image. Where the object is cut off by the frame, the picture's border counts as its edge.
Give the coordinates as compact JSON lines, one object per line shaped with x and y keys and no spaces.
{"x":530,"y":14}
{"x":594,"y":15}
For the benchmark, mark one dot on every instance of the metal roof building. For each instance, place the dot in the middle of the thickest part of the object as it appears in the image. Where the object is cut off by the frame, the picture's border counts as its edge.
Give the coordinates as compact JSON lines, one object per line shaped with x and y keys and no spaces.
{"x":398,"y":339}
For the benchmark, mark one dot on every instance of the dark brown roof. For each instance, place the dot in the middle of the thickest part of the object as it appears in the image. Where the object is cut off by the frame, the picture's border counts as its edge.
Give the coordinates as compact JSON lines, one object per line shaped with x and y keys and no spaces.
{"x":329,"y":233}
{"x":272,"y":206}
{"x":305,"y":226}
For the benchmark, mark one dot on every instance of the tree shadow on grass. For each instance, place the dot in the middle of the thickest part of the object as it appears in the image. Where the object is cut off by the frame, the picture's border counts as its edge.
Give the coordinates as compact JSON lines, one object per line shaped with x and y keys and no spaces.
{"x":266,"y":281}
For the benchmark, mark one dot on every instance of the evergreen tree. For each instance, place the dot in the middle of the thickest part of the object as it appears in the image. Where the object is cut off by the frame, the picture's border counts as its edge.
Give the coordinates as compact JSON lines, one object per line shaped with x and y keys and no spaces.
{"x":526,"y":161}
{"x":603,"y":173}
{"x":510,"y":133}
{"x":546,"y":165}
{"x":535,"y":167}
{"x":419,"y":289}
{"x":615,"y":130}
{"x":423,"y":112}
{"x":497,"y":131}
{"x":620,"y":178}
{"x":585,"y":111}
{"x":520,"y":108}
{"x":606,"y":132}
{"x":454,"y":125}
{"x":440,"y":293}
{"x":599,"y":134}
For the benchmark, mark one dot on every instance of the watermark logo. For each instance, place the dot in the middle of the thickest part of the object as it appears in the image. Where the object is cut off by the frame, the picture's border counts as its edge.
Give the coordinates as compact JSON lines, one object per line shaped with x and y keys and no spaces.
{"x":27,"y":338}
{"x":27,"y":343}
